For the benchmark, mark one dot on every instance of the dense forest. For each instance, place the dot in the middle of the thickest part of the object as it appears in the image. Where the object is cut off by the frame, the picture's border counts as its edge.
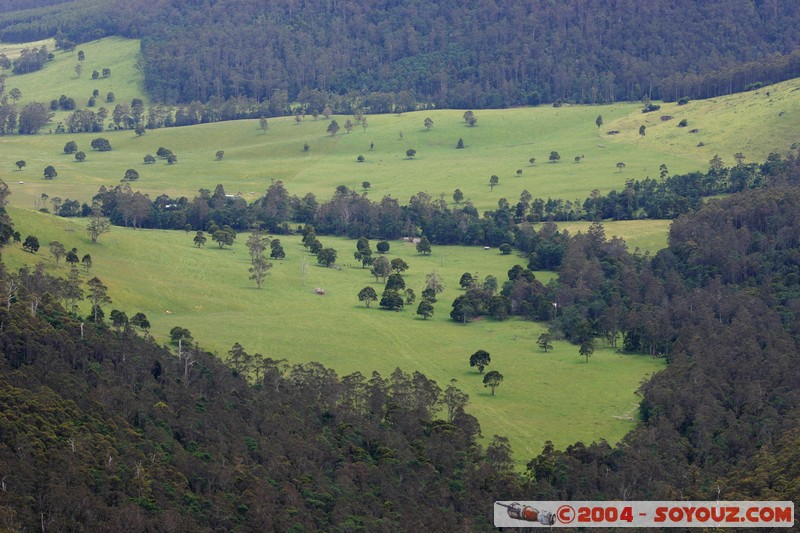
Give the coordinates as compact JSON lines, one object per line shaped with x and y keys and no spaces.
{"x":103,"y":428}
{"x":392,"y":56}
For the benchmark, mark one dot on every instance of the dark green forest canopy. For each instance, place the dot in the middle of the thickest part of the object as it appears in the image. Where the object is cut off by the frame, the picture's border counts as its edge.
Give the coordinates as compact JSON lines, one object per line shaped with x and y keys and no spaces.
{"x":451,"y":53}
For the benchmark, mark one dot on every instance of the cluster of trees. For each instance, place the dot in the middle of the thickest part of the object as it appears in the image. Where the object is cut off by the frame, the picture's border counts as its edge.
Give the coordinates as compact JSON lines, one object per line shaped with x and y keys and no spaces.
{"x":257,"y":245}
{"x":481,"y":360}
{"x":349,"y":213}
{"x":325,"y":256}
{"x":395,"y":293}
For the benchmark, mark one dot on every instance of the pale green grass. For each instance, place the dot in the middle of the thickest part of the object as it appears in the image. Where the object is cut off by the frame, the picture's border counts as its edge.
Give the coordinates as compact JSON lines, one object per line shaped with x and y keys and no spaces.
{"x":647,"y":235}
{"x":754,"y":123}
{"x":503,"y":142}
{"x":13,"y":50}
{"x":59,"y":77}
{"x":554,"y":396}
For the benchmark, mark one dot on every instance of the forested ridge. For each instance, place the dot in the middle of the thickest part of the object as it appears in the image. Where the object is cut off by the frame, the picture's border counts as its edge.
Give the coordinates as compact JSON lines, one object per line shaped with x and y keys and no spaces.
{"x":392,"y":56}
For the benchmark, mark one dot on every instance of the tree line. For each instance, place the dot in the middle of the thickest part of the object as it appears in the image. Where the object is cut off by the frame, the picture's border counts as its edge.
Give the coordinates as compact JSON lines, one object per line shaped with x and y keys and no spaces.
{"x":353,"y":214}
{"x":451,"y":54}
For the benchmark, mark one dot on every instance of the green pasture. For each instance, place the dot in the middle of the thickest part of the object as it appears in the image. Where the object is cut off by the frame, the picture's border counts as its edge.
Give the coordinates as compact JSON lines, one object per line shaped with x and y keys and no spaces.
{"x":646,"y":235}
{"x":754,"y":123}
{"x":59,"y":77}
{"x":502,"y":143}
{"x":554,"y":396}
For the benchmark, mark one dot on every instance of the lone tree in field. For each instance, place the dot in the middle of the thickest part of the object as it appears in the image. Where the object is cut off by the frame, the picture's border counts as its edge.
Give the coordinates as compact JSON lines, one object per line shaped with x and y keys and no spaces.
{"x":71,"y":147}
{"x":130,"y":175}
{"x":532,"y":161}
{"x":224,"y":236}
{"x":57,"y":250}
{"x":333,"y":127}
{"x":492,"y":380}
{"x":410,"y":153}
{"x":20,"y":164}
{"x":494,"y":180}
{"x":460,"y":144}
{"x":262,"y":123}
{"x":31,"y":244}
{"x":587,"y":349}
{"x":149,"y":159}
{"x":424,"y":246}
{"x":259,"y":270}
{"x":428,"y":123}
{"x":395,"y":282}
{"x":97,"y":224}
{"x":381,"y":268}
{"x":544,"y":342}
{"x":458,"y":196}
{"x":220,"y":155}
{"x":382,"y":247}
{"x":433,"y":281}
{"x":72,"y":257}
{"x":276,"y":250}
{"x":101,"y":145}
{"x":139,"y":320}
{"x":480,"y":359}
{"x":50,"y":172}
{"x":367,"y":295}
{"x":620,"y":166}
{"x":80,"y":157}
{"x":326,"y":257}
{"x":200,"y":239}
{"x":391,"y":300}
{"x":642,"y":130}
{"x":398,"y":265}
{"x":599,"y":121}
{"x":425,"y":309}
{"x":555,"y":157}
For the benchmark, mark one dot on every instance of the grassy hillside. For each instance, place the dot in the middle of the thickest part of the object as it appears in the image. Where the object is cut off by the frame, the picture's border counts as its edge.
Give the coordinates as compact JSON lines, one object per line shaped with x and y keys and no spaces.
{"x":554,"y":396}
{"x":502,"y":143}
{"x":754,"y":123}
{"x":206,"y":290}
{"x":59,"y":77}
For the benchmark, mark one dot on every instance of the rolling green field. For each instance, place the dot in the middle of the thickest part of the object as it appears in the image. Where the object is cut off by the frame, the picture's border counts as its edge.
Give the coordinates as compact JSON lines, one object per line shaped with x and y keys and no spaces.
{"x":554,"y":396}
{"x":502,"y":143}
